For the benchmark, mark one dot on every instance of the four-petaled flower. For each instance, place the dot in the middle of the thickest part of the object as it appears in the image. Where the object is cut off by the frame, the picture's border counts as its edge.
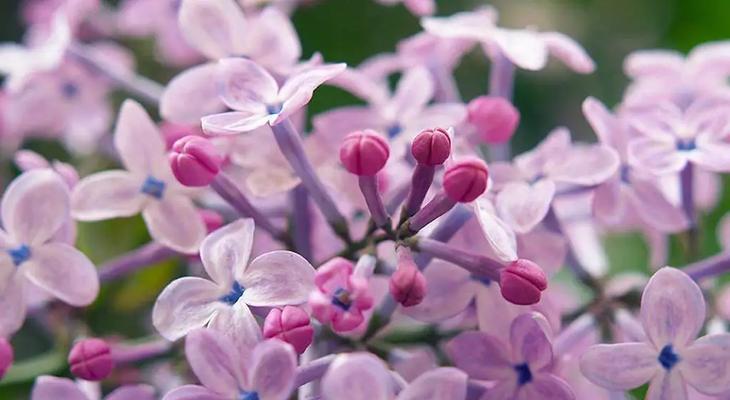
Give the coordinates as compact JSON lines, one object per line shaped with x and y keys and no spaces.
{"x":51,"y":388}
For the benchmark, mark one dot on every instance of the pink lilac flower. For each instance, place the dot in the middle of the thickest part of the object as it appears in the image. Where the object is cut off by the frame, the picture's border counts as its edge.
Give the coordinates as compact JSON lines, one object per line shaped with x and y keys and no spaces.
{"x":672,"y":314}
{"x":264,"y":372}
{"x":416,"y":7}
{"x":272,"y":279}
{"x":521,"y":369}
{"x":34,"y":209}
{"x":51,"y":388}
{"x":147,"y":186}
{"x":28,"y":160}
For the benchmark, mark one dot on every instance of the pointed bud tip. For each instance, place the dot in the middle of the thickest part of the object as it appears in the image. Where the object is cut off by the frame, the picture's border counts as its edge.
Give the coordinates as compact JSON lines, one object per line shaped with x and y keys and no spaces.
{"x":291,"y":325}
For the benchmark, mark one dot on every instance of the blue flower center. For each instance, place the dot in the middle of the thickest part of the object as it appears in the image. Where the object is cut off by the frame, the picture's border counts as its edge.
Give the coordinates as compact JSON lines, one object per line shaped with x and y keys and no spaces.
{"x":235,"y":294}
{"x":273,"y":108}
{"x":625,"y":173}
{"x":248,"y":396}
{"x":69,"y":90}
{"x":686,"y":144}
{"x":667,"y":357}
{"x":19,"y":254}
{"x":394,"y":130}
{"x":483,"y":280}
{"x":153,"y":187}
{"x":341,"y":299}
{"x":524,"y":375}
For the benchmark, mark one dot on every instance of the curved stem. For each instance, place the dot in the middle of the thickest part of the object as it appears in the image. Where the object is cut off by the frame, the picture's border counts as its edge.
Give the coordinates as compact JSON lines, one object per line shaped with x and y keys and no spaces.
{"x":149,"y":254}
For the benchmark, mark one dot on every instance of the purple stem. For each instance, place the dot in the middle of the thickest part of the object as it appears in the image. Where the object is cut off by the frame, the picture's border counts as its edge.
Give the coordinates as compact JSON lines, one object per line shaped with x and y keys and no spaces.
{"x":687,"y":186}
{"x":129,"y":353}
{"x":501,"y":83}
{"x":369,"y":189}
{"x":149,"y":254}
{"x":290,"y":145}
{"x":447,"y":90}
{"x":446,"y":229}
{"x":397,"y":197}
{"x":420,"y":183}
{"x":479,"y":265}
{"x":230,"y":193}
{"x":438,"y":206}
{"x":475,"y":389}
{"x":302,"y":222}
{"x":313,"y":370}
{"x":709,"y":267}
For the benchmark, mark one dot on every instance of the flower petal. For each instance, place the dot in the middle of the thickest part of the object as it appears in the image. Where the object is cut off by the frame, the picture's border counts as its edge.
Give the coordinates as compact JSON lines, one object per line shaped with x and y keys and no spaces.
{"x":245,"y":86}
{"x":655,"y":156}
{"x":185,"y":304}
{"x":299,"y":89}
{"x":474,"y":25}
{"x":277,"y":278}
{"x":107,"y":194}
{"x":654,"y":208}
{"x":530,"y":340}
{"x":132,"y":392}
{"x":227,"y":249}
{"x":34,"y":206}
{"x":504,"y":390}
{"x":193,"y":392}
{"x":523,"y":206}
{"x":215,"y":361}
{"x":415,"y":89}
{"x":524,"y":48}
{"x":546,"y":387}
{"x":240,"y":326}
{"x":64,"y":272}
{"x":13,"y":305}
{"x":357,"y":376}
{"x":706,"y":364}
{"x":584,"y":165}
{"x":569,"y":51}
{"x":272,"y":40}
{"x":653,"y":63}
{"x":620,"y":366}
{"x":273,"y":368}
{"x":191,"y":95}
{"x":440,"y":383}
{"x":500,"y":237}
{"x":216,"y":28}
{"x":138,"y":140}
{"x":234,"y":122}
{"x":51,"y":387}
{"x":450,"y":290}
{"x":480,"y":355}
{"x":667,"y":386}
{"x":174,"y":222}
{"x":672,"y":308}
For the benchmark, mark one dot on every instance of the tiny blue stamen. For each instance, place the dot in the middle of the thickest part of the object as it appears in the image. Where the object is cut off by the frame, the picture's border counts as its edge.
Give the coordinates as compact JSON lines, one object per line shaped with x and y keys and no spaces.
{"x":235,"y":294}
{"x":19,"y":254}
{"x":524,"y":375}
{"x":667,"y":357}
{"x":483,"y":280}
{"x":273,"y":108}
{"x":341,"y":299}
{"x":248,"y":396}
{"x":625,"y":173}
{"x":69,"y":90}
{"x":394,"y":130}
{"x":686,"y":144}
{"x":153,"y":187}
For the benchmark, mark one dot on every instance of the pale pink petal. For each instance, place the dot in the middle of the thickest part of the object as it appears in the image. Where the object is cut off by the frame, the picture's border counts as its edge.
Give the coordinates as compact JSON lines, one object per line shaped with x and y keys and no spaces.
{"x":654,"y":63}
{"x":522,"y":206}
{"x":192,"y":95}
{"x":609,"y":129}
{"x":227,"y":249}
{"x":609,"y":200}
{"x":710,"y":61}
{"x":277,"y":278}
{"x":450,"y":290}
{"x":272,"y":40}
{"x":530,"y":339}
{"x":672,"y":308}
{"x":174,"y":222}
{"x":138,"y":140}
{"x":415,"y":89}
{"x":13,"y":305}
{"x":299,"y":89}
{"x":546,"y":387}
{"x":193,"y":392}
{"x":480,"y":355}
{"x":499,"y":235}
{"x":657,"y":157}
{"x":215,"y":361}
{"x":545,"y":248}
{"x":239,"y":324}
{"x":504,"y":390}
{"x":621,"y":366}
{"x":51,"y":387}
{"x":440,"y":383}
{"x":64,"y":272}
{"x":502,"y":173}
{"x":273,"y":368}
{"x":475,"y":25}
{"x":362,"y":85}
{"x":568,"y":51}
{"x":107,"y":194}
{"x":667,"y":386}
{"x":185,"y":304}
{"x":585,"y":165}
{"x":34,"y":206}
{"x":132,"y":392}
{"x":654,"y":208}
{"x":706,"y":364}
{"x":711,"y":155}
{"x":524,"y":48}
{"x":444,"y":115}
{"x":357,"y":376}
{"x":531,"y":163}
{"x":234,"y":122}
{"x":216,"y":28}
{"x":337,"y":123}
{"x":245,"y":86}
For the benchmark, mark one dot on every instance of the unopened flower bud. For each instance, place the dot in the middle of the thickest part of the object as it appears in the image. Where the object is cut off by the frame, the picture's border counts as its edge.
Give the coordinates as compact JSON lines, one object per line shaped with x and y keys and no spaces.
{"x":494,"y":117}
{"x":466,"y":180}
{"x":407,"y":284}
{"x":211,"y":219}
{"x":522,"y":282}
{"x":364,"y":153}
{"x":195,"y":161}
{"x":6,"y":356}
{"x":431,"y":147}
{"x":91,"y":359}
{"x":291,"y":325}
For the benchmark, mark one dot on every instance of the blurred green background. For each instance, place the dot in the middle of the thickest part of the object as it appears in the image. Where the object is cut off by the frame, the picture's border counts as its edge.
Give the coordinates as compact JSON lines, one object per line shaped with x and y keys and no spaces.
{"x":351,"y":31}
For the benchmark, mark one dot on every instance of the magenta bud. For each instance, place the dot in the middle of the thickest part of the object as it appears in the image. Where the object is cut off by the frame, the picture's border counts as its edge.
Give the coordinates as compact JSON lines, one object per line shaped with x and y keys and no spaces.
{"x":211,"y":219}
{"x":494,"y":117}
{"x":6,"y":356}
{"x":431,"y":147}
{"x":407,"y":284}
{"x":466,"y":180}
{"x":364,"y":153}
{"x":91,"y":359}
{"x":291,"y":325}
{"x":195,"y":161}
{"x":522,"y":282}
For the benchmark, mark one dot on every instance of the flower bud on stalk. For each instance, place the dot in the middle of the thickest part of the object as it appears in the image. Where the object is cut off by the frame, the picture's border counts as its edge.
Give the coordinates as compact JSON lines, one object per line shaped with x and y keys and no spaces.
{"x":195,"y":161}
{"x":291,"y":325}
{"x":91,"y":359}
{"x":494,"y":118}
{"x":407,"y":284}
{"x":522,"y":282}
{"x":430,"y":149}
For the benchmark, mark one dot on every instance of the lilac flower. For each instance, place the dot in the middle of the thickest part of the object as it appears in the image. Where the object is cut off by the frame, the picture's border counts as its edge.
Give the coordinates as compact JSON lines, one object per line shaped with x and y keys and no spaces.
{"x":265,"y":372}
{"x":273,"y":279}
{"x":147,"y":186}
{"x":258,"y":99}
{"x":51,"y":388}
{"x":416,"y":7}
{"x":218,"y":29}
{"x":34,"y":209}
{"x":672,"y":314}
{"x":522,"y":370}
{"x":363,"y":376}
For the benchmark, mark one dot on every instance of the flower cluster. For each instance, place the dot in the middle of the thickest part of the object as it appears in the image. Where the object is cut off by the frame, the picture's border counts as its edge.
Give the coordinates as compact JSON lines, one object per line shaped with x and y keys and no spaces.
{"x":391,"y":249}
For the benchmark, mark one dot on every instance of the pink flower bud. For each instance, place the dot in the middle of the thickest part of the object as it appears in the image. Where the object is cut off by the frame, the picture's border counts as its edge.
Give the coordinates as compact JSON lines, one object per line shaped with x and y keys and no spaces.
{"x":407,"y":284}
{"x":495,"y":118}
{"x":466,"y":180}
{"x":522,"y":282}
{"x":431,"y":147}
{"x":291,"y":325}
{"x":6,"y":356}
{"x":195,"y":161}
{"x":91,"y":359}
{"x":364,"y":153}
{"x":211,"y":219}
